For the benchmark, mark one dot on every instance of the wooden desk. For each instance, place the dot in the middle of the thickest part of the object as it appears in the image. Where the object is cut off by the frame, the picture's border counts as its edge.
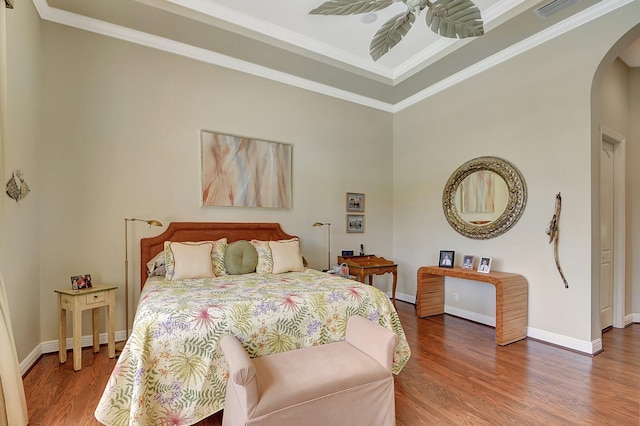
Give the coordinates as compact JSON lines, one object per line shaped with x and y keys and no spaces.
{"x":370,"y":265}
{"x":80,"y":300}
{"x":511,"y":298}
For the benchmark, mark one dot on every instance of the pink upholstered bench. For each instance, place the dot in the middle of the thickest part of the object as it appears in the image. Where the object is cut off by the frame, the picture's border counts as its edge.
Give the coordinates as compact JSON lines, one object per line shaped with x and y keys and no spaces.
{"x":339,"y":383}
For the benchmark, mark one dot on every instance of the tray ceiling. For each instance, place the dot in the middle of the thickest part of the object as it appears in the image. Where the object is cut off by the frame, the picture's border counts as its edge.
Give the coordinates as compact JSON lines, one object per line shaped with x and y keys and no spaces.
{"x":280,"y":40}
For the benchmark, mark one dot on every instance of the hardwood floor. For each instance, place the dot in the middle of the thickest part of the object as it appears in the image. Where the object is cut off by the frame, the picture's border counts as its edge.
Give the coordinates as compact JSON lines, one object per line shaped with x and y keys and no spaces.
{"x":456,"y":376}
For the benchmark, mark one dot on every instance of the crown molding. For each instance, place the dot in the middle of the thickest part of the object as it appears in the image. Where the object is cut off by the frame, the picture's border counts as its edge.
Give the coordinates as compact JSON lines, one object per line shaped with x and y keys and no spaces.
{"x":134,"y":36}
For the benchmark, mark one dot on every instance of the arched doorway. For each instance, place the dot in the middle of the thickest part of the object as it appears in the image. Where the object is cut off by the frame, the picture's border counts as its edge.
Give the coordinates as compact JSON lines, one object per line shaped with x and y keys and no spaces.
{"x":611,"y":242}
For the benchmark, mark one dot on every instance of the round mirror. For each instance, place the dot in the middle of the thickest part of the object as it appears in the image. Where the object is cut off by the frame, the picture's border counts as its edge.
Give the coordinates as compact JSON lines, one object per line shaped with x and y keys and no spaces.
{"x":484,"y":198}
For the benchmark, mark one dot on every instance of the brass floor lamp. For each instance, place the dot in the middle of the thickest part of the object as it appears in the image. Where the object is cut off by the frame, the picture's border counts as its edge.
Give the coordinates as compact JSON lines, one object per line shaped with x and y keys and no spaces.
{"x":320,"y":224}
{"x":151,"y":222}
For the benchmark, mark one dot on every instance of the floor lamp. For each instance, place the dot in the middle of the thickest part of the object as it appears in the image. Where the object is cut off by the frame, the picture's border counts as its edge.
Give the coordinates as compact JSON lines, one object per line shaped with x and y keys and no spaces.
{"x":320,"y":224}
{"x":126,"y":273}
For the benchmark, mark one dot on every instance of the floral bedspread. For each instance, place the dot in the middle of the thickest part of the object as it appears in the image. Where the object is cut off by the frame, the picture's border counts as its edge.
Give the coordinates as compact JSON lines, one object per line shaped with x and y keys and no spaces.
{"x":171,"y":370}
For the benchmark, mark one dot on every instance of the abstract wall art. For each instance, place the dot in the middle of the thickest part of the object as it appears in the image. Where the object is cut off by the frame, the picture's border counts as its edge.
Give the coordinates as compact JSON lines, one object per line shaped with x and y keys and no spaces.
{"x":242,"y":172}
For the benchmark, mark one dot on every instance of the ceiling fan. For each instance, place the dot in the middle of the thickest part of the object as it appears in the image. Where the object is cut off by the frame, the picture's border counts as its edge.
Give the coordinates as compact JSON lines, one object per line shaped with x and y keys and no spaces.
{"x":448,"y":18}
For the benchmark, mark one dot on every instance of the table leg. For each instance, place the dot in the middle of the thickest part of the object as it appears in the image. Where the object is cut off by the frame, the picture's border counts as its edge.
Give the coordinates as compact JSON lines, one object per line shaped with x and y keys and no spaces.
{"x":77,"y":339}
{"x":111,"y":324}
{"x":395,"y":283}
{"x":62,"y":331}
{"x":95,"y":323}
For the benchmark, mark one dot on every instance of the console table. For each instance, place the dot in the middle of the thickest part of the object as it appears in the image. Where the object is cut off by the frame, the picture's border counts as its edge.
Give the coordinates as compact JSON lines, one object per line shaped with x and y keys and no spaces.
{"x":511,"y":298}
{"x":370,"y":265}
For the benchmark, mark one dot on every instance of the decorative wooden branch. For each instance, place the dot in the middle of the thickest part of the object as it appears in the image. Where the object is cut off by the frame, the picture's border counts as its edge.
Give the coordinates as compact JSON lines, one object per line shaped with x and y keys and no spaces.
{"x":554,"y":236}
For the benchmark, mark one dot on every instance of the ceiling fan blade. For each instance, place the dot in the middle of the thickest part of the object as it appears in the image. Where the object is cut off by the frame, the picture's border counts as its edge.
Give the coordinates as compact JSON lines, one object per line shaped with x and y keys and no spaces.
{"x":390,"y":34}
{"x":455,"y":19}
{"x":350,"y":7}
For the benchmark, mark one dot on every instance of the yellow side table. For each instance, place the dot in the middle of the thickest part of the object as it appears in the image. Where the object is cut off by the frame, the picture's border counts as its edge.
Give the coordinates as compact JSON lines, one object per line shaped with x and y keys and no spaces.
{"x":77,"y":301}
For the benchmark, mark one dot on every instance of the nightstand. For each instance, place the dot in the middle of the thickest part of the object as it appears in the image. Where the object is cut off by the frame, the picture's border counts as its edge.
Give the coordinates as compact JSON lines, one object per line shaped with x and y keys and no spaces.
{"x":370,"y":265}
{"x":77,"y":301}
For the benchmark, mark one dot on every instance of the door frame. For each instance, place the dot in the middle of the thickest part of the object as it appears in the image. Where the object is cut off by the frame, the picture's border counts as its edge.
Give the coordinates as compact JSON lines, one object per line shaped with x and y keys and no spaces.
{"x":619,"y":224}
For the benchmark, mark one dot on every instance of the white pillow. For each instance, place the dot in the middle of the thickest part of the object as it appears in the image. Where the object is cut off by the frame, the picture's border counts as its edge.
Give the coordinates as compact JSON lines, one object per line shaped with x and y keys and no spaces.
{"x":191,"y":260}
{"x":286,"y":256}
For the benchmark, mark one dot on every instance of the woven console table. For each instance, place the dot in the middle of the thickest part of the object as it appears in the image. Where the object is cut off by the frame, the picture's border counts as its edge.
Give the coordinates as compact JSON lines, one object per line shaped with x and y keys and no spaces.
{"x":511,"y":298}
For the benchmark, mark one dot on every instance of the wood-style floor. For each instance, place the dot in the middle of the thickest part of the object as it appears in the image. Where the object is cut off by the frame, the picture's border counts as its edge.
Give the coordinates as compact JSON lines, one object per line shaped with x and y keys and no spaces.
{"x":456,"y":376}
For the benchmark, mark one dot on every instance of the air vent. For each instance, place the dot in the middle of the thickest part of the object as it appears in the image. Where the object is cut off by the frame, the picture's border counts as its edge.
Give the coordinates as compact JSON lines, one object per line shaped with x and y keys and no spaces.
{"x":553,"y":7}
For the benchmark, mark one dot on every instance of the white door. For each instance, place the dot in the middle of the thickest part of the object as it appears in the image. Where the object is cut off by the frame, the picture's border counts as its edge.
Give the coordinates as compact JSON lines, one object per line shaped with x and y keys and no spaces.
{"x":606,"y":235}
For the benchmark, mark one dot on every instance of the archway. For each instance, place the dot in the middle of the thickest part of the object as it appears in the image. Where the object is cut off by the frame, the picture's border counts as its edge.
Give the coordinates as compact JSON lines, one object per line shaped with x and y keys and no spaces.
{"x":622,"y":227}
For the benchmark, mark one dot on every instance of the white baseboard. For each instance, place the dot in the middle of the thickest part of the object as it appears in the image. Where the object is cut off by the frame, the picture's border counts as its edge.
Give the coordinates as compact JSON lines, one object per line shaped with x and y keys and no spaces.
{"x":51,"y":346}
{"x":578,"y":345}
{"x":545,"y":336}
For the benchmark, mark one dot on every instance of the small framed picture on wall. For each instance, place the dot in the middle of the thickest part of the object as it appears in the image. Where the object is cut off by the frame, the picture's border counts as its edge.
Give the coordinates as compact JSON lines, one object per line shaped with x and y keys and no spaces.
{"x":355,"y":202}
{"x":446,"y":258}
{"x":355,"y":223}
{"x":484,"y":265}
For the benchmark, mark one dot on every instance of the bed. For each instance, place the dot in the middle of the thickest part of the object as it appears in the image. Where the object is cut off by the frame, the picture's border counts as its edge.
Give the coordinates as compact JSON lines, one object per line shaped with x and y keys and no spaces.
{"x":171,"y":370}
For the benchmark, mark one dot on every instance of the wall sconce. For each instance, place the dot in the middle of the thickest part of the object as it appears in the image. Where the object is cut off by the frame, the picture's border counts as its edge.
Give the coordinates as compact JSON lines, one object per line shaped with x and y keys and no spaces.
{"x":320,"y":224}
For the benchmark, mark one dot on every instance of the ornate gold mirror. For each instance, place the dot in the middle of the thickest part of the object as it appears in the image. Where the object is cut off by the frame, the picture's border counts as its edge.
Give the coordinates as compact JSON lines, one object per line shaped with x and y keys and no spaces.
{"x":484,"y":198}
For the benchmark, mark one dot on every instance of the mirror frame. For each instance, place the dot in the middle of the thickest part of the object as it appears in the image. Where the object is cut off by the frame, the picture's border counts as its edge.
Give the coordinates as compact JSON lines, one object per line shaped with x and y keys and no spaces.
{"x":516,"y":202}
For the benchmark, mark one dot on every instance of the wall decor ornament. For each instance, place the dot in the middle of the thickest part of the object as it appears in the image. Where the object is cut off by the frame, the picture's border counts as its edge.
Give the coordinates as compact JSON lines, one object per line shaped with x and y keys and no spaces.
{"x":17,"y":188}
{"x":553,"y":231}
{"x":448,"y":18}
{"x":242,"y":172}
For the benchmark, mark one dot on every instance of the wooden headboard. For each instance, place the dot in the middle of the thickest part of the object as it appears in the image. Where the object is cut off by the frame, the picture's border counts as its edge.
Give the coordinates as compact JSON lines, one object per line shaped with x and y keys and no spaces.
{"x":206,"y":231}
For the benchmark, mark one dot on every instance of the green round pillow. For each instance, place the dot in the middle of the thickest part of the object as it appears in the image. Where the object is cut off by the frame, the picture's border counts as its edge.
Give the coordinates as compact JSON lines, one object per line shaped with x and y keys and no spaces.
{"x":240,"y":257}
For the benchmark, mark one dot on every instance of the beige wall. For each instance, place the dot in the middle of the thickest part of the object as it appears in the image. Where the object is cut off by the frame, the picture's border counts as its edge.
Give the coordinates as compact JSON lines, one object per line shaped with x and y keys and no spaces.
{"x":119,"y":137}
{"x":633,"y":194}
{"x":534,"y":111}
{"x":20,"y":248}
{"x":122,"y":128}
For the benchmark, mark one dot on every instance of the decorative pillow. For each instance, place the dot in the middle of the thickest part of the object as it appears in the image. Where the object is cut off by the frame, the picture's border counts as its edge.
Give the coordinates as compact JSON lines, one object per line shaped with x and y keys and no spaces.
{"x":153,"y":266}
{"x":189,"y":260}
{"x":265,"y":260}
{"x":241,"y":257}
{"x":216,"y":259}
{"x":286,"y":256}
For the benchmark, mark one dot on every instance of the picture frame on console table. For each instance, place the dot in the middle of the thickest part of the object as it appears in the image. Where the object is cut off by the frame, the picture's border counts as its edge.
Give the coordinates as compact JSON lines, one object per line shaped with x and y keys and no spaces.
{"x":485,"y":265}
{"x":467,"y":261}
{"x":447,"y":258}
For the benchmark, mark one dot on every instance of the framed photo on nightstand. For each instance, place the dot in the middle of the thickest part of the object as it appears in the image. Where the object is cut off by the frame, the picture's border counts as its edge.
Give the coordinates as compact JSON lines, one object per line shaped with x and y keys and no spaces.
{"x":79,"y":282}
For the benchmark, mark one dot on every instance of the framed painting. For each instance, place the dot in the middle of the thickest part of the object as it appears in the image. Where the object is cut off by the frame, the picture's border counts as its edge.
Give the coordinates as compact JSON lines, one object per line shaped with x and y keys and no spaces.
{"x":355,"y":202}
{"x":243,"y":172}
{"x":355,"y":223}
